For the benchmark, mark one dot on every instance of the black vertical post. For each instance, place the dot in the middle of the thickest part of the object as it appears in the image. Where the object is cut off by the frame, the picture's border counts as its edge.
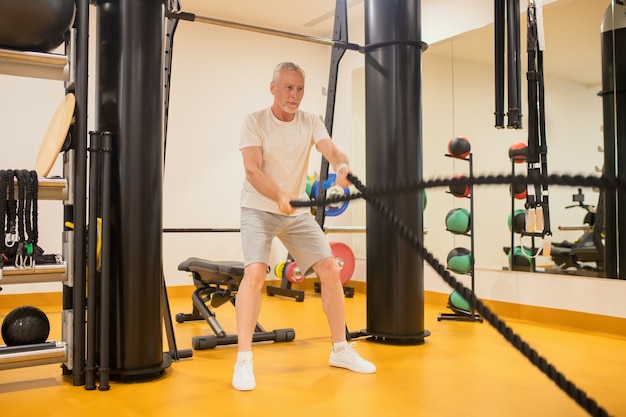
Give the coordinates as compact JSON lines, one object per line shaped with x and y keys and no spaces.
{"x":395,"y":272}
{"x":130,"y":106}
{"x":499,"y":53}
{"x":613,"y":95}
{"x":74,"y":297}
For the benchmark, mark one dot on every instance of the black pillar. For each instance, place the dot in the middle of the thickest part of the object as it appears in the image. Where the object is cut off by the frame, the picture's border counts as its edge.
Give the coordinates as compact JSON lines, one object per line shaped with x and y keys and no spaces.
{"x":129,"y":105}
{"x":395,"y":272}
{"x":614,"y":120}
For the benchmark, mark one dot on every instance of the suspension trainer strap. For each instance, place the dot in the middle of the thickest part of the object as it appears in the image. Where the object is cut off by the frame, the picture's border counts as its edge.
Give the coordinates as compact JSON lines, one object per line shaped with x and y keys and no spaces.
{"x":11,"y":210}
{"x":4,"y":180}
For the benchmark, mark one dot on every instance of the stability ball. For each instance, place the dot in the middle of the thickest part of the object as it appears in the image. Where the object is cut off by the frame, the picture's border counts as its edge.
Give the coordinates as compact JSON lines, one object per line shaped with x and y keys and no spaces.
{"x":460,"y":260}
{"x":25,"y":325}
{"x":458,"y":221}
{"x":459,"y":147}
{"x":35,"y":25}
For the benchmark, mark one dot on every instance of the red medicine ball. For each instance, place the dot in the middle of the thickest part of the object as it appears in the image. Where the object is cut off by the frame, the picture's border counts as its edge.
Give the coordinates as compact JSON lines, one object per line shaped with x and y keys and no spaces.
{"x":518,"y":152}
{"x":459,"y":147}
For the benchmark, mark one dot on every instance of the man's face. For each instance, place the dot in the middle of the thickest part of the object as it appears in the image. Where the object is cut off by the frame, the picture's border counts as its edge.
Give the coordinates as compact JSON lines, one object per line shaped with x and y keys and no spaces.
{"x":288,"y":90}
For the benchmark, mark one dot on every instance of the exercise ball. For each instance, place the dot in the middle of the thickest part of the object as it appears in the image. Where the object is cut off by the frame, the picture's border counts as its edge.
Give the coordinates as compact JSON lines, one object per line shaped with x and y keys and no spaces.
{"x":460,"y":260}
{"x":519,"y":221}
{"x":458,"y":221}
{"x":518,"y":191}
{"x":25,"y":325}
{"x":460,"y":190}
{"x":459,"y":147}
{"x":522,"y":259}
{"x":35,"y":25}
{"x":518,"y":152}
{"x":457,"y":302}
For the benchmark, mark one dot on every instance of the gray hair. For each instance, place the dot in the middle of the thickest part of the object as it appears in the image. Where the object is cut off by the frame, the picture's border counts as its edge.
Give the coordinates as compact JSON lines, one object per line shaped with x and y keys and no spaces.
{"x":290,"y":66}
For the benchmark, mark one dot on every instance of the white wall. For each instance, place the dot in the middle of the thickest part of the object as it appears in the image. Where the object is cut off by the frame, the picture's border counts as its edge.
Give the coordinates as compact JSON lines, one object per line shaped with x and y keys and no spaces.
{"x":221,"y":74}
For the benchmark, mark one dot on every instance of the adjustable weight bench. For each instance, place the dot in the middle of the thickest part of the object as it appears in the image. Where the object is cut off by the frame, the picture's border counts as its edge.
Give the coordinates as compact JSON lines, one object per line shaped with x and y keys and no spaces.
{"x":217,"y":283}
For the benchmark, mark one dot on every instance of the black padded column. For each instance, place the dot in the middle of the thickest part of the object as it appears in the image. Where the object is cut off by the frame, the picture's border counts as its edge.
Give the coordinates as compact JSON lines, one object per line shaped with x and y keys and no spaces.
{"x":129,"y":105}
{"x":395,"y":272}
{"x":614,"y":120}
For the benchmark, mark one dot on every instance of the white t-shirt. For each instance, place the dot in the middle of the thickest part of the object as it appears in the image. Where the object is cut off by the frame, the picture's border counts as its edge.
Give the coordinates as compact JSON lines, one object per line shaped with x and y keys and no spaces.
{"x":286,"y":150}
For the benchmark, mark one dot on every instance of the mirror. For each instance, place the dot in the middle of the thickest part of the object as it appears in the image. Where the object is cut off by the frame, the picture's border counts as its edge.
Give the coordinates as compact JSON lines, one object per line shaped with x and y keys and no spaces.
{"x":458,"y":99}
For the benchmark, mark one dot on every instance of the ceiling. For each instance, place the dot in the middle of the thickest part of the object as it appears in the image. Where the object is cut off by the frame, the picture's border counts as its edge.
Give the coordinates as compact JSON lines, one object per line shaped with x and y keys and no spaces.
{"x":572,"y":41}
{"x":572,"y":27}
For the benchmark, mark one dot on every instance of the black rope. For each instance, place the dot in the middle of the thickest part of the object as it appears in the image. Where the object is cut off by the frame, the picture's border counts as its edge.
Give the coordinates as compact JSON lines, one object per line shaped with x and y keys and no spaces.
{"x":604,"y":181}
{"x":477,"y":305}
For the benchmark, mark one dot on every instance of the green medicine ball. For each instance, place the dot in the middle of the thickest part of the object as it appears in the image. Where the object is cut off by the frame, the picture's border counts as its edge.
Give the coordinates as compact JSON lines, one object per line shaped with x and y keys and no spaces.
{"x":519,"y":221}
{"x":460,"y":260}
{"x":458,"y":221}
{"x":457,"y":302}
{"x":522,"y":259}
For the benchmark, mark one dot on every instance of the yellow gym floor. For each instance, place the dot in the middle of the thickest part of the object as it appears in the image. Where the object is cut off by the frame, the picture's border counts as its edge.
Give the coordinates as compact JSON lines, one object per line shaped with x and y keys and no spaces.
{"x":463,"y":369}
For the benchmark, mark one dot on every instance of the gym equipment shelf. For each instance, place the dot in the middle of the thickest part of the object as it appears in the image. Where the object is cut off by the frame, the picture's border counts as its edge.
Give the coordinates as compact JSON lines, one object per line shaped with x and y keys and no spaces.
{"x":58,"y":67}
{"x":462,"y":315}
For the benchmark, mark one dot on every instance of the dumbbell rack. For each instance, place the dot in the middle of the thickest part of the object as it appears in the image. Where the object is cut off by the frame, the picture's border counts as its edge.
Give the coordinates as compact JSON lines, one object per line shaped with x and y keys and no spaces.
{"x":460,"y":315}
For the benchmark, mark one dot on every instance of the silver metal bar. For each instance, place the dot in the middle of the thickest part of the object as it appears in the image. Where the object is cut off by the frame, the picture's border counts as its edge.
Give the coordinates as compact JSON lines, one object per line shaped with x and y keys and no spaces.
{"x":258,"y":29}
{"x":50,"y":188}
{"x":41,"y":273}
{"x":51,"y":352}
{"x":34,"y":64}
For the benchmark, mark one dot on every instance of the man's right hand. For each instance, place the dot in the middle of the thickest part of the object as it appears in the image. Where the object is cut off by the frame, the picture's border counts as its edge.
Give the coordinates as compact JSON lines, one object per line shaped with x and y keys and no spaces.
{"x":284,"y":204}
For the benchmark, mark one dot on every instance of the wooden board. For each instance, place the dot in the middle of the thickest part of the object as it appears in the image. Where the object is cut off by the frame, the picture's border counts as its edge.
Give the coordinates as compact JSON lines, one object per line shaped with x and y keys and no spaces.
{"x":55,"y":136}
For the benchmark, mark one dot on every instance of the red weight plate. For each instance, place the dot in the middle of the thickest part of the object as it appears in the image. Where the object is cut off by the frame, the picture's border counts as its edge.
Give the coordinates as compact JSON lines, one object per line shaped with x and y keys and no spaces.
{"x":345,"y":259}
{"x":293,"y":273}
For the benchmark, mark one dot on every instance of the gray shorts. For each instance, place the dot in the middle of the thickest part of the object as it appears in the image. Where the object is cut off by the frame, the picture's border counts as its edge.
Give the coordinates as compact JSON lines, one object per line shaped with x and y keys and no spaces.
{"x":301,"y":235}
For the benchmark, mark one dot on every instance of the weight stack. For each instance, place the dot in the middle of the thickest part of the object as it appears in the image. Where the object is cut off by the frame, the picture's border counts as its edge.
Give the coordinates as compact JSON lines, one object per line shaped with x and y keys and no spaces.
{"x":129,"y":103}
{"x":395,"y":272}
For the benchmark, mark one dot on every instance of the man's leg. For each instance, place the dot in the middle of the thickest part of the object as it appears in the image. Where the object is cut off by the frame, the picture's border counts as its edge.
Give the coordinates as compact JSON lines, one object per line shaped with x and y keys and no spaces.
{"x":327,"y":271}
{"x":342,"y":355}
{"x":247,"y":308}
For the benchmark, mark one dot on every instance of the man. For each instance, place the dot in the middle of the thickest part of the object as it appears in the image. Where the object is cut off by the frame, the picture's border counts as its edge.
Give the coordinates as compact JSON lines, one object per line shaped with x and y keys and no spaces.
{"x":275,"y":144}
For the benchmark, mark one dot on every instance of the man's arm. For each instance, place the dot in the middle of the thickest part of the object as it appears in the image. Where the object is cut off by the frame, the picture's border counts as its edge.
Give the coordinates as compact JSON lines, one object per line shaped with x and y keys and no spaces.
{"x":252,"y":161}
{"x":337,"y":159}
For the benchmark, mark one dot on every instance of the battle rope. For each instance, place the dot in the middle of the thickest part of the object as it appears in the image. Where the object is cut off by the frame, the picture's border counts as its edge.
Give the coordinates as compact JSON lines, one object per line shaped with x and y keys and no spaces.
{"x":408,"y":235}
{"x":606,"y":182}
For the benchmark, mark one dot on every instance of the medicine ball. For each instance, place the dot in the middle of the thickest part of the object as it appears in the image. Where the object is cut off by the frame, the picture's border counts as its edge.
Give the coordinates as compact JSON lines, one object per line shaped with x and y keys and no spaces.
{"x":460,"y":260}
{"x":35,"y":25}
{"x":518,"y":152}
{"x":457,"y":303}
{"x":518,"y":191}
{"x":519,"y":221}
{"x":25,"y":325}
{"x":458,"y":221}
{"x":460,"y":190}
{"x":522,"y":259}
{"x":459,"y":147}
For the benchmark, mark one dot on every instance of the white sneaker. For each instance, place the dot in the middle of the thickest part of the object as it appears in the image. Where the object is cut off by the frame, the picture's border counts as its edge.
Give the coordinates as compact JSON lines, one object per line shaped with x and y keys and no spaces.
{"x":348,"y":358}
{"x":243,"y":377}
